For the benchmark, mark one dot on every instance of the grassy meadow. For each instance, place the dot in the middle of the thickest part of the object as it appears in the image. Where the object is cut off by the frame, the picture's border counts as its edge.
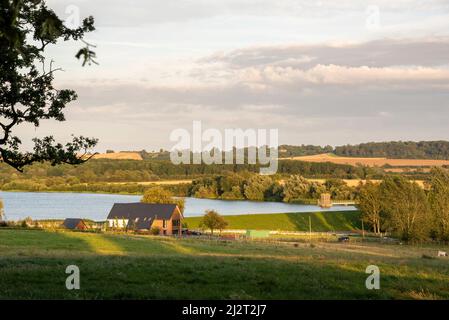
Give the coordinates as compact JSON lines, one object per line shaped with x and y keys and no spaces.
{"x":321,"y":221}
{"x":32,"y":266}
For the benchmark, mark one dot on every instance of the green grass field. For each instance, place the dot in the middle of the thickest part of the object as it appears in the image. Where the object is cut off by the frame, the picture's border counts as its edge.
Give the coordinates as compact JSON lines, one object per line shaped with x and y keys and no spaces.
{"x":321,"y":221}
{"x":33,"y":263}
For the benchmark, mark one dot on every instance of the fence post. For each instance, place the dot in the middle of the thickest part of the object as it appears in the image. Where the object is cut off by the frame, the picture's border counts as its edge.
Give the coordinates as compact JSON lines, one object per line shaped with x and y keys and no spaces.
{"x":363,"y":231}
{"x":310,"y":229}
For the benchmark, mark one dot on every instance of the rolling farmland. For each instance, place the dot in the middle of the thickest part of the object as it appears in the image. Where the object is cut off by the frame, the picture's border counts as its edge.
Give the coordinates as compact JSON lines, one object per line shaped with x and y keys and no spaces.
{"x":371,"y":162}
{"x":119,"y":156}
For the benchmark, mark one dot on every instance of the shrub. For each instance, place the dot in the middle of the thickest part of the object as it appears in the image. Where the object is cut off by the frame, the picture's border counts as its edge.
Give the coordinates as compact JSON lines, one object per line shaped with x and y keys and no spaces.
{"x":28,"y":221}
{"x":155,"y":231}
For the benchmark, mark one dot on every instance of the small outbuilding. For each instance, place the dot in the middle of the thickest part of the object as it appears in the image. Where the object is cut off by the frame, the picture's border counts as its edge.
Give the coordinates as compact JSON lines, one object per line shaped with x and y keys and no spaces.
{"x":257,"y":234}
{"x":325,"y":200}
{"x":74,"y":224}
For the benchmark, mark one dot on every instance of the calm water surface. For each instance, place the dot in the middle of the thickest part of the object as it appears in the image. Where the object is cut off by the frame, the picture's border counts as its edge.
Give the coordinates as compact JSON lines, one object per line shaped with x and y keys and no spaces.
{"x":19,"y":205}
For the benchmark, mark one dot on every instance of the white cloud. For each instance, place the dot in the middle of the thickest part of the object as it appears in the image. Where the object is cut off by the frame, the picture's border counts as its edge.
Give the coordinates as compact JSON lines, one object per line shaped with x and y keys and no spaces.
{"x":310,"y":68}
{"x":342,"y":75}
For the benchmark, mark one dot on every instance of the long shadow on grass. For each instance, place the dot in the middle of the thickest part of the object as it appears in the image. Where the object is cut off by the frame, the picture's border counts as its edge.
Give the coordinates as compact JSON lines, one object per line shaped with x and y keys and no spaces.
{"x":199,"y":277}
{"x":124,"y":245}
{"x":326,"y":221}
{"x":25,"y":241}
{"x":163,"y":269}
{"x":36,"y":259}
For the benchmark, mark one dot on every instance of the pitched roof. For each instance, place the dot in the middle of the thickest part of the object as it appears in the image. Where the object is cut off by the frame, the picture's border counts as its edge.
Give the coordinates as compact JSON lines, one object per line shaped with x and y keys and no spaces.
{"x":72,"y":223}
{"x":140,"y":224}
{"x":141,"y":211}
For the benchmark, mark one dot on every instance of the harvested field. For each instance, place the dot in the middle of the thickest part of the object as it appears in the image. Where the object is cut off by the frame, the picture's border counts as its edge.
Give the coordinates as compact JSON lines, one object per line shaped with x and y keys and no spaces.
{"x":371,"y":162}
{"x":119,"y":156}
{"x":408,"y":170}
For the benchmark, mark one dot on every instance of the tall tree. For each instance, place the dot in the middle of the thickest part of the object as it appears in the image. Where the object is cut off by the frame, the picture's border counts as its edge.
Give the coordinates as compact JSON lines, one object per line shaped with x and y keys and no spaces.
{"x":296,"y":188}
{"x":161,"y":195}
{"x":27,"y":94}
{"x":257,"y":187}
{"x":406,"y":208}
{"x":2,"y":212}
{"x":439,"y":202}
{"x":370,"y":203}
{"x":338,"y":189}
{"x":213,"y":221}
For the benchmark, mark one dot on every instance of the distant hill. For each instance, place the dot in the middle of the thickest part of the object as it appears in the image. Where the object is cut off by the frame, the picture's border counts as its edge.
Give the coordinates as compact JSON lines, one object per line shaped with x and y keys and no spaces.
{"x":371,"y":161}
{"x":433,"y":150}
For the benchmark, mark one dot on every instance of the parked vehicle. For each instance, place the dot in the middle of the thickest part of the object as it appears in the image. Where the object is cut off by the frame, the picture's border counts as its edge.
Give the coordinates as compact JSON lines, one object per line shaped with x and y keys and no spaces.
{"x":343,"y":239}
{"x":191,"y":233}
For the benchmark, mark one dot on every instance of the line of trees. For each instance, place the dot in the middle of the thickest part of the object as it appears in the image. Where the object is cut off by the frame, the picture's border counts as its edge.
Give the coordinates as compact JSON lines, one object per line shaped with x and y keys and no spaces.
{"x":250,"y":186}
{"x":393,"y":149}
{"x":405,"y":209}
{"x":397,"y":149}
{"x":97,"y":174}
{"x":106,"y":170}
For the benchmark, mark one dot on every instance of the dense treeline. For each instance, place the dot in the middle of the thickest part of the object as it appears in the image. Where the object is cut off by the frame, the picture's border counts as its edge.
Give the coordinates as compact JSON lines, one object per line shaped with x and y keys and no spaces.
{"x":399,"y":150}
{"x":406,"y":210}
{"x":61,"y":185}
{"x":328,"y":170}
{"x":122,"y":176}
{"x":249,"y":186}
{"x":286,"y":151}
{"x":438,"y":150}
{"x":243,"y":185}
{"x":103,"y":170}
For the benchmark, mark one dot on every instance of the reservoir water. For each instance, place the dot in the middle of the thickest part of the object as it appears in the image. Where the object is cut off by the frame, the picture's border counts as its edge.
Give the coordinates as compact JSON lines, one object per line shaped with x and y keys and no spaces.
{"x":37,"y":205}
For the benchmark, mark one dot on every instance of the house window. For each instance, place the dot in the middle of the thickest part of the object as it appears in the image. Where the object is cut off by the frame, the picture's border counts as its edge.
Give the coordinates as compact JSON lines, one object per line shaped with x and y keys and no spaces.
{"x":164,"y":223}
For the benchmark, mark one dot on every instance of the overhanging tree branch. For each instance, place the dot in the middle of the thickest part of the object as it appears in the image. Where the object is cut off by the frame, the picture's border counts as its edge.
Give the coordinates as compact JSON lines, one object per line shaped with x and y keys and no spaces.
{"x":26,"y":94}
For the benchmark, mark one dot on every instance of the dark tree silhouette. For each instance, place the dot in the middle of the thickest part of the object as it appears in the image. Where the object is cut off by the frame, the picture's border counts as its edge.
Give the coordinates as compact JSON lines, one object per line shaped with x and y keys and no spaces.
{"x":27,"y":95}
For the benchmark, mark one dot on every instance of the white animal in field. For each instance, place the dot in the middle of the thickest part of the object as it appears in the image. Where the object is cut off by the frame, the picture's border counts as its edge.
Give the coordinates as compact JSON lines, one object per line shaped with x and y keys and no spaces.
{"x":442,"y":254}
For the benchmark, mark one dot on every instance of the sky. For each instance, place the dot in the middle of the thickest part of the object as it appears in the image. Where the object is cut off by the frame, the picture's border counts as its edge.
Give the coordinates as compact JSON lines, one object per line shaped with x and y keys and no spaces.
{"x":321,"y":72}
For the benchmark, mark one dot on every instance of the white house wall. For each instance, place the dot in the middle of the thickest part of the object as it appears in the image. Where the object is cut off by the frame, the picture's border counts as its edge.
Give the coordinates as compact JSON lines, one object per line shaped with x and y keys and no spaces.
{"x":117,"y":223}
